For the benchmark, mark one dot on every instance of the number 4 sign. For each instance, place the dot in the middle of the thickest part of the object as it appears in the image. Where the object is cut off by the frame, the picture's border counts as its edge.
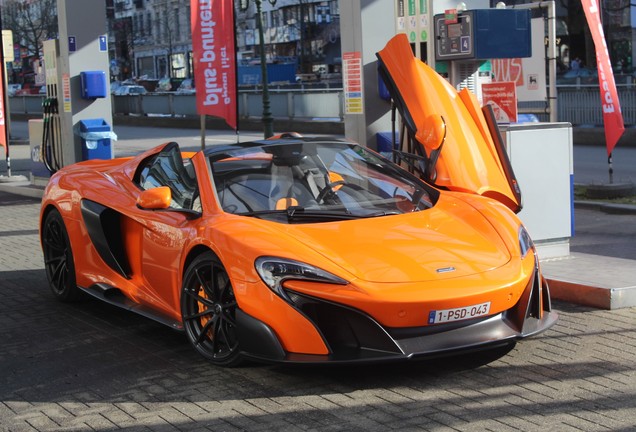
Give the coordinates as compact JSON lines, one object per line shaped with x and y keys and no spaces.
{"x":465,"y":41}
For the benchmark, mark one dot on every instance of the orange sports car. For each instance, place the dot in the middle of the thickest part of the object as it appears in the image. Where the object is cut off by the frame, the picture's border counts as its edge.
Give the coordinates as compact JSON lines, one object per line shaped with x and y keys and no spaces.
{"x":310,"y":250}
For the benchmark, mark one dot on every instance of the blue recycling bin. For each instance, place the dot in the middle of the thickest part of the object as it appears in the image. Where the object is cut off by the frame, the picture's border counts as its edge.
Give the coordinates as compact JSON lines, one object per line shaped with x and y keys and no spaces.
{"x":384,"y":146}
{"x":96,"y":139}
{"x":93,"y":84}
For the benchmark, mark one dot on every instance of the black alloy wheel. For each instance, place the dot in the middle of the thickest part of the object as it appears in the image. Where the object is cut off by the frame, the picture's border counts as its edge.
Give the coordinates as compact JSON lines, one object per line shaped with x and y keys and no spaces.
{"x":208,"y":310}
{"x":58,"y":258}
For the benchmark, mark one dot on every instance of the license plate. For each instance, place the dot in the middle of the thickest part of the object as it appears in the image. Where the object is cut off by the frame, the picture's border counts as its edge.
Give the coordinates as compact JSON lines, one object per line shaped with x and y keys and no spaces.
{"x":458,"y":314}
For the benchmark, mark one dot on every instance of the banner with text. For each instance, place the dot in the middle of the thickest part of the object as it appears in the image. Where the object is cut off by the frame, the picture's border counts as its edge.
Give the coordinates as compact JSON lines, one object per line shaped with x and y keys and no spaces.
{"x":528,"y":74}
{"x":502,"y":96}
{"x":612,"y":116}
{"x":214,"y":58}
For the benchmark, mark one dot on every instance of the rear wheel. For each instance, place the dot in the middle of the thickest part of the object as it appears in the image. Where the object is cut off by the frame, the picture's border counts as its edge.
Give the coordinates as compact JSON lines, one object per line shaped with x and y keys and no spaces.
{"x":208,"y":310}
{"x":58,"y":258}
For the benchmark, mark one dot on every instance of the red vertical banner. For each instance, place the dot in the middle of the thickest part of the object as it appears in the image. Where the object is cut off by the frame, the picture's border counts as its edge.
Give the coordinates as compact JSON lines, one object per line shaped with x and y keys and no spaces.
{"x":214,"y":58}
{"x":612,"y":116}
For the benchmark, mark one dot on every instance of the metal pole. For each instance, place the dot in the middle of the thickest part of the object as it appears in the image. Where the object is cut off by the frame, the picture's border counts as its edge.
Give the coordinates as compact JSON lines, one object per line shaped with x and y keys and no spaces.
{"x":202,"y":125}
{"x":552,"y":60}
{"x":268,"y":130}
{"x":5,"y":114}
{"x":552,"y":53}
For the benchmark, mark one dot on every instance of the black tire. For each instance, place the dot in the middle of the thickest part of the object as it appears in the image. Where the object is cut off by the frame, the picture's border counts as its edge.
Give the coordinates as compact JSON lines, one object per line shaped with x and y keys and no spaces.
{"x":208,"y":311}
{"x":58,"y":258}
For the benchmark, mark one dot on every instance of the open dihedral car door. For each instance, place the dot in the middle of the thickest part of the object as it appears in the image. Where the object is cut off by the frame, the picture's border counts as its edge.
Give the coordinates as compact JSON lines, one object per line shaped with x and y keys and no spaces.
{"x":457,"y":142}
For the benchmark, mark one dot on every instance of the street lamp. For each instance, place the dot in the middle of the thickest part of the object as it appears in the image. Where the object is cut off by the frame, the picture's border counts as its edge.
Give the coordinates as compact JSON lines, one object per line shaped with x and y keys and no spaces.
{"x":267,"y":114}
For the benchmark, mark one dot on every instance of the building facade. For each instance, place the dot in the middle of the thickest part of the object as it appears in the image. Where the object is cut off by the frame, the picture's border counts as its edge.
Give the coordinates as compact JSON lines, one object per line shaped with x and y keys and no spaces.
{"x":302,"y":31}
{"x":150,"y":39}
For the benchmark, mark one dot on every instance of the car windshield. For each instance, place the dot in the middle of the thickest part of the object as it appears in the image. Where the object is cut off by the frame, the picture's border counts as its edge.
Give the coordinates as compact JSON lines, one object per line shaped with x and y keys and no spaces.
{"x":303,"y":182}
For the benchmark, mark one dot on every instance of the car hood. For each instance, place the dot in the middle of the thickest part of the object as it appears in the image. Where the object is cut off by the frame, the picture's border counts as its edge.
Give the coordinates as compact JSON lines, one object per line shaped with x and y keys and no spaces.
{"x":449,"y":240}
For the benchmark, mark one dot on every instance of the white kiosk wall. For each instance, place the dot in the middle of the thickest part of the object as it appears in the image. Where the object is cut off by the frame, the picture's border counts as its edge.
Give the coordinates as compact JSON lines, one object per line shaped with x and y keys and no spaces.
{"x":541,"y":157}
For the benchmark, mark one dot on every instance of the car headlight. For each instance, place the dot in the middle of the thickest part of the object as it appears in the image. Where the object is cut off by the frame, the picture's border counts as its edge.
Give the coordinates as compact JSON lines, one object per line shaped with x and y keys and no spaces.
{"x":274,"y":271}
{"x":525,"y":242}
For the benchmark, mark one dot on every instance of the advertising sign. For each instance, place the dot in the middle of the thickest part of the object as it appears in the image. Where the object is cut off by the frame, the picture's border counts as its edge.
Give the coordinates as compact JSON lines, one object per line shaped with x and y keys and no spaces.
{"x":527,"y":73}
{"x":214,"y":60}
{"x":352,"y":80}
{"x":612,"y":116}
{"x":7,"y":46}
{"x":502,"y":96}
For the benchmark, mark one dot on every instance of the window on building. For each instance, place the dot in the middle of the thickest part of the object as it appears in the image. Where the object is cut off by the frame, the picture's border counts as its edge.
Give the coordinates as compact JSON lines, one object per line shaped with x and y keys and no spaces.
{"x":177,"y":25}
{"x":145,"y":66}
{"x":290,"y":15}
{"x":149,"y":23}
{"x":276,"y":18}
{"x":139,"y":23}
{"x":333,"y":5}
{"x":162,"y":67}
{"x":188,"y":24}
{"x":178,"y":65}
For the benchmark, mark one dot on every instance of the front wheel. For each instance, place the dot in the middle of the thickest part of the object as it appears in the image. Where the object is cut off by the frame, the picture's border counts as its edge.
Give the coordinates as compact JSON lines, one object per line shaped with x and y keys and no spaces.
{"x":208,"y":310}
{"x":58,"y":258}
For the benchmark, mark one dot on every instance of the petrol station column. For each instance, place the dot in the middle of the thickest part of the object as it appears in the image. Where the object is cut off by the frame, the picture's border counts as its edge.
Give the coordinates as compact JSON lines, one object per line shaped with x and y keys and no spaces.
{"x":365,"y":28}
{"x":82,"y":47}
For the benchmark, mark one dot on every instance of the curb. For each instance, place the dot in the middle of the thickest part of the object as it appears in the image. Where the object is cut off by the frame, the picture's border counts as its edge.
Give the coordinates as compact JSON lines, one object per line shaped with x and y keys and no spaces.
{"x":23,"y":190}
{"x":609,"y":208}
{"x":592,"y":294}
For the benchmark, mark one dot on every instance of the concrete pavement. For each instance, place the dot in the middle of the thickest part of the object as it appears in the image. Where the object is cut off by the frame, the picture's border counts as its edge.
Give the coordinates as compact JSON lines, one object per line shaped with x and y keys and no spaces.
{"x":89,"y":366}
{"x":92,"y":367}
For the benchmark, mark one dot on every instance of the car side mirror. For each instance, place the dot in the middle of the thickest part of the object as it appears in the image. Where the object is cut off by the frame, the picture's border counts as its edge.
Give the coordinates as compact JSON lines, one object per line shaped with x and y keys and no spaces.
{"x":155,"y":198}
{"x":432,"y":132}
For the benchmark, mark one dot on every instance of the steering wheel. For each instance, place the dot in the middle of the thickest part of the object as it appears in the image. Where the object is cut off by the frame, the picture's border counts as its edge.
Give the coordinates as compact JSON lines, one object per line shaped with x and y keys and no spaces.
{"x":328,"y":190}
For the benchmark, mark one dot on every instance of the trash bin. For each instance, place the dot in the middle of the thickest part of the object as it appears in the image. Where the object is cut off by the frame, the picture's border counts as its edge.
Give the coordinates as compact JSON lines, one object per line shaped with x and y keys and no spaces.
{"x":383,"y":142}
{"x":96,"y":139}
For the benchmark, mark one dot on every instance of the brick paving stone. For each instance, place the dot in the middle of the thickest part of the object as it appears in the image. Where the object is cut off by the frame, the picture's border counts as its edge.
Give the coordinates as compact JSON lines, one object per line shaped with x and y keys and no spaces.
{"x":90,"y":366}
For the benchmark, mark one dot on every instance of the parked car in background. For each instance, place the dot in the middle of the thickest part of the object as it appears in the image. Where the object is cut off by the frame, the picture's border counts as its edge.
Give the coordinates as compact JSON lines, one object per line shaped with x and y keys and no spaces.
{"x":583,"y":75}
{"x":186,"y":87}
{"x":12,"y":89}
{"x":130,"y":90}
{"x":114,"y":86}
{"x":164,"y":85}
{"x":28,"y":89}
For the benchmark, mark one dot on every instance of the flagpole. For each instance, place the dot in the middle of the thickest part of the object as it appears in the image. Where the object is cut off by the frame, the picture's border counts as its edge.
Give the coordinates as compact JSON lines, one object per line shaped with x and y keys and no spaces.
{"x":236,"y":83}
{"x":3,"y":109}
{"x":202,"y":126}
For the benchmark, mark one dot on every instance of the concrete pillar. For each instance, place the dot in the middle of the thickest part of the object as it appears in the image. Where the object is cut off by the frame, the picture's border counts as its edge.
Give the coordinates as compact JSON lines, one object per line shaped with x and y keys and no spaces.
{"x":365,"y":27}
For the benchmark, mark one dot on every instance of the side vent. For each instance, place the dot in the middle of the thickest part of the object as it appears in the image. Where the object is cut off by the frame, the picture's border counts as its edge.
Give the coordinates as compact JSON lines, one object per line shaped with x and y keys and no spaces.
{"x":104,"y":228}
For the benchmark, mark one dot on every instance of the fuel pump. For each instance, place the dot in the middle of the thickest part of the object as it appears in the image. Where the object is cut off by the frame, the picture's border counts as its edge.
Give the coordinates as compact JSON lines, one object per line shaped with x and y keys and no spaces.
{"x":51,"y":148}
{"x":82,"y":48}
{"x":466,"y":40}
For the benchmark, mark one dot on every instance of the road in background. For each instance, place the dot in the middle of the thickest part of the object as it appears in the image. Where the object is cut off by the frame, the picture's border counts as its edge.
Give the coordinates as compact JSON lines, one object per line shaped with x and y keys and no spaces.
{"x":591,"y":167}
{"x":590,"y":162}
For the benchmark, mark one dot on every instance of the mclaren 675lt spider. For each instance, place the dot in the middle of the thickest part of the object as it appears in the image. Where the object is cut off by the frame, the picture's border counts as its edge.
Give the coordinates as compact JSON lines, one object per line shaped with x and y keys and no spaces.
{"x":312,"y":250}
